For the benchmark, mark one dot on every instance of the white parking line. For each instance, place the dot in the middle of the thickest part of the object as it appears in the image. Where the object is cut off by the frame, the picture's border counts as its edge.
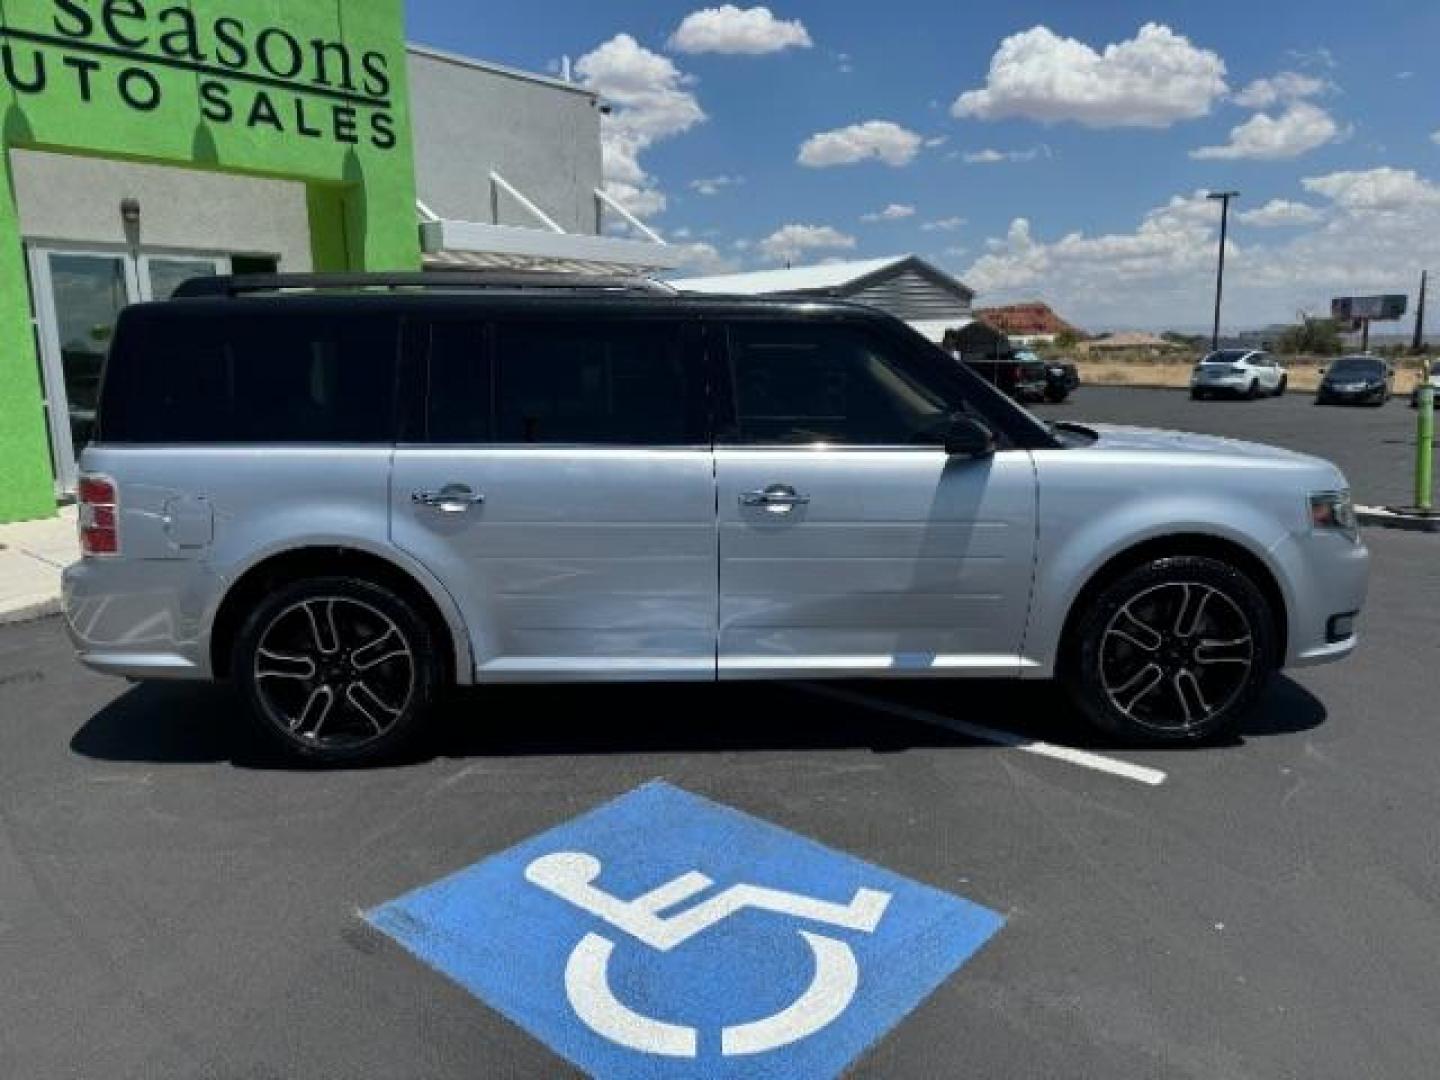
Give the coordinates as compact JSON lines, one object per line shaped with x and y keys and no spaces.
{"x":1115,"y":767}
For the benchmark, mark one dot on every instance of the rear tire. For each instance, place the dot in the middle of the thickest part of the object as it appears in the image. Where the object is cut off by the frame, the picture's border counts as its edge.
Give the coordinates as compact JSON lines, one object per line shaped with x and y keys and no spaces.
{"x":1198,"y":395}
{"x":1174,"y":651}
{"x":337,"y":670}
{"x":1254,"y":392}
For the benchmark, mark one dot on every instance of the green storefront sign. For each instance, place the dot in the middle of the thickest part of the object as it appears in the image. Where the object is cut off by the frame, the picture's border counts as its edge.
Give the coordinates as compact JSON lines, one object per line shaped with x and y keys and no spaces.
{"x":303,"y":90}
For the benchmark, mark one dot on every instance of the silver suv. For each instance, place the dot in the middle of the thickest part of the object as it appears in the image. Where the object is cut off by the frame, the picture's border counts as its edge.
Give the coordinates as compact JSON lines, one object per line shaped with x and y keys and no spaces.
{"x":346,"y":495}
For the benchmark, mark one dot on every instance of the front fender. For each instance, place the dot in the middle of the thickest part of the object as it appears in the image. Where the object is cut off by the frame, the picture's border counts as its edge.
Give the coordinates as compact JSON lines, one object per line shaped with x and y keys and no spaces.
{"x":1075,"y":543}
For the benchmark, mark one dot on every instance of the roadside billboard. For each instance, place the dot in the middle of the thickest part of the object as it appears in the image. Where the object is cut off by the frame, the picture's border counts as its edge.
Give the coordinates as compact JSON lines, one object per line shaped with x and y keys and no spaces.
{"x":1354,"y":309}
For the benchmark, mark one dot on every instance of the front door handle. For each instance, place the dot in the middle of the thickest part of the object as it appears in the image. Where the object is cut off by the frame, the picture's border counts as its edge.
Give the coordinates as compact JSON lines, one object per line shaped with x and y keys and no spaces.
{"x":450,"y":499}
{"x":776,"y":499}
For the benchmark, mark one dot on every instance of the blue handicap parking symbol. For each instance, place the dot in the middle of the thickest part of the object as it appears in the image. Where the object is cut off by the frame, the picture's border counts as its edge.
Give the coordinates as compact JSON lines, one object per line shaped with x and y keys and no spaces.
{"x":664,"y":935}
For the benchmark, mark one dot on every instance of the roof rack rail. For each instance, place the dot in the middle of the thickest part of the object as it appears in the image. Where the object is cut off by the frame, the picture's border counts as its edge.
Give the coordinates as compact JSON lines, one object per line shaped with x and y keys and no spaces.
{"x":539,"y":280}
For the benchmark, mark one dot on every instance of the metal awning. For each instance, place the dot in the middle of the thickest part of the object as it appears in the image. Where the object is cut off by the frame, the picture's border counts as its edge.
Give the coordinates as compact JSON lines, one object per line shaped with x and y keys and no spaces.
{"x":449,"y":244}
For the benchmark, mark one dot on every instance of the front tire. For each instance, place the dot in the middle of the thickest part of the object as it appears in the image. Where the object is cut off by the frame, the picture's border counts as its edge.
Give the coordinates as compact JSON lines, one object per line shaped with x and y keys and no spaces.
{"x":1174,"y":651}
{"x":1284,"y":385}
{"x":337,"y":670}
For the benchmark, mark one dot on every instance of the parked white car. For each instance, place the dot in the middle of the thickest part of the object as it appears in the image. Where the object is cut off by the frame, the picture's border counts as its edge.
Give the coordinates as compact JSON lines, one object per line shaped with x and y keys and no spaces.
{"x":1248,"y":373}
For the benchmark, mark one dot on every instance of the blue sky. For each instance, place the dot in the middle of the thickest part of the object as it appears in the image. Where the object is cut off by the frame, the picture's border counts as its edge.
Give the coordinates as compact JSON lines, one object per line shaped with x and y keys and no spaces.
{"x":1051,"y":150}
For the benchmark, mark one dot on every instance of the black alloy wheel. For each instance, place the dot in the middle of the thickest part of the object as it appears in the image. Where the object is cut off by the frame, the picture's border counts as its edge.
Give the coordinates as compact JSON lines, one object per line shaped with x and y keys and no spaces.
{"x":1173,"y":651}
{"x":338,"y":671}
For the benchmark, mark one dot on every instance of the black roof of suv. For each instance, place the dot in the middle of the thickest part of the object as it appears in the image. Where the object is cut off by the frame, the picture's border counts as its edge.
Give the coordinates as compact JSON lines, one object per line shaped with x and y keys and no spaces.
{"x":541,"y":293}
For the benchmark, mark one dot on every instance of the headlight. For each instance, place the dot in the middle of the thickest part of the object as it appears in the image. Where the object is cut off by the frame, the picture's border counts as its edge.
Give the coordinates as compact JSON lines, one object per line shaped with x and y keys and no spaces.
{"x":1334,"y":510}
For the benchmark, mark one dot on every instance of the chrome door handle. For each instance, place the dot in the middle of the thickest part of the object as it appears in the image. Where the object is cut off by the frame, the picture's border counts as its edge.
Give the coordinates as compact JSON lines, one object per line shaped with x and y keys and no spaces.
{"x":450,"y":499}
{"x":777,"y":499}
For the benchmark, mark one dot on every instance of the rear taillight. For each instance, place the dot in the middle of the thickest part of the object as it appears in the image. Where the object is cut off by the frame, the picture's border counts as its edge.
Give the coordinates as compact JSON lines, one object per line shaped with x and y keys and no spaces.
{"x":99,"y":516}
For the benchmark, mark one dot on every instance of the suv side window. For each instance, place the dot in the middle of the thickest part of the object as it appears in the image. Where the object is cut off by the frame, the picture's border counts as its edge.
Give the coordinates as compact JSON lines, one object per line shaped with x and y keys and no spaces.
{"x":800,"y":383}
{"x":458,"y":378}
{"x":597,"y":381}
{"x":277,"y":372}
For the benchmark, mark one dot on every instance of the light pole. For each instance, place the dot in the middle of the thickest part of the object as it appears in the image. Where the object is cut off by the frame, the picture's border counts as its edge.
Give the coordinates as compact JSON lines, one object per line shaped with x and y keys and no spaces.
{"x":1224,"y":197}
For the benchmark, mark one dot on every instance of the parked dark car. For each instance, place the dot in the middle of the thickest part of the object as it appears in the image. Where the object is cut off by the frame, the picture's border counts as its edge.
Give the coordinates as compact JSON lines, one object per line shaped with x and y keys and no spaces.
{"x":1062,"y":379}
{"x":1024,"y":376}
{"x":1356,"y":380}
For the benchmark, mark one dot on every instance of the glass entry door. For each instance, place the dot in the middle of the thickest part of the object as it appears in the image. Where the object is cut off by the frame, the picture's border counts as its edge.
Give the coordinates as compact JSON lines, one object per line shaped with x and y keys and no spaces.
{"x":79,"y":294}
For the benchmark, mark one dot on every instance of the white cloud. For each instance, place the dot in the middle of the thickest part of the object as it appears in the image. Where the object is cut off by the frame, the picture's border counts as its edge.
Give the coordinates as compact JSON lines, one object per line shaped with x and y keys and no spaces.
{"x":1111,"y":277}
{"x":650,"y":101}
{"x":1285,"y":87}
{"x":746,"y":31}
{"x":1435,"y":137}
{"x":1302,"y":127}
{"x":1152,"y":80}
{"x":949,"y":224}
{"x":1313,"y":58}
{"x":713,"y":185}
{"x":1279,"y":212}
{"x":792,"y":242}
{"x":881,"y":140}
{"x":936,"y":141}
{"x":705,"y":259}
{"x":1376,"y":191}
{"x":1370,"y":231}
{"x":1381,"y":225}
{"x":893,"y":212}
{"x":995,"y":157}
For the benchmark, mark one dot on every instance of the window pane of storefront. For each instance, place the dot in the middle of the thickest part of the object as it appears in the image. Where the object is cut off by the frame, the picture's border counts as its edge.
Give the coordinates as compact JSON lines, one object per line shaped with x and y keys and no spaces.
{"x":167,"y":274}
{"x":89,"y":293}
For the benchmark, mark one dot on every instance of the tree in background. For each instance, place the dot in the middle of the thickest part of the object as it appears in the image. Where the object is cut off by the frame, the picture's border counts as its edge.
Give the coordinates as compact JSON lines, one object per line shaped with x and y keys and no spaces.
{"x":1311,"y":337}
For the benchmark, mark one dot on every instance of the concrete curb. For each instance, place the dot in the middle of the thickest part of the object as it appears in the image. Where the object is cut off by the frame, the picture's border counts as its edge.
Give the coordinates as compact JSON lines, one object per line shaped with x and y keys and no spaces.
{"x":1127,"y":386}
{"x":29,"y":611}
{"x":1379,"y":517}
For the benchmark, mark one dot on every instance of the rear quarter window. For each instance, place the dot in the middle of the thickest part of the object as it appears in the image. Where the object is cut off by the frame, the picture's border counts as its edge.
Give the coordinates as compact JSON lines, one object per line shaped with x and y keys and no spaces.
{"x":240,"y":373}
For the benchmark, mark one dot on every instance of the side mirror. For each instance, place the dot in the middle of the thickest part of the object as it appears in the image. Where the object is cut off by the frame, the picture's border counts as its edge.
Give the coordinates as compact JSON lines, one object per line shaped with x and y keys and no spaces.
{"x":967,"y":437}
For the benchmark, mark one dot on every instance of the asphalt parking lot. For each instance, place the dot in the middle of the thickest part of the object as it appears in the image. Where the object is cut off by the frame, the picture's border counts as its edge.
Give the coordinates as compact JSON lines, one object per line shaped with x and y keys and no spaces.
{"x":176,"y":902}
{"x":1375,"y":446}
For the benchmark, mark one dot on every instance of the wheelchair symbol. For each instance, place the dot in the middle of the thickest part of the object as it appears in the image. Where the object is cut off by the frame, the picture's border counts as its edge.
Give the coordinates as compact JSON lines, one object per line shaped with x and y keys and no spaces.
{"x":571,"y":876}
